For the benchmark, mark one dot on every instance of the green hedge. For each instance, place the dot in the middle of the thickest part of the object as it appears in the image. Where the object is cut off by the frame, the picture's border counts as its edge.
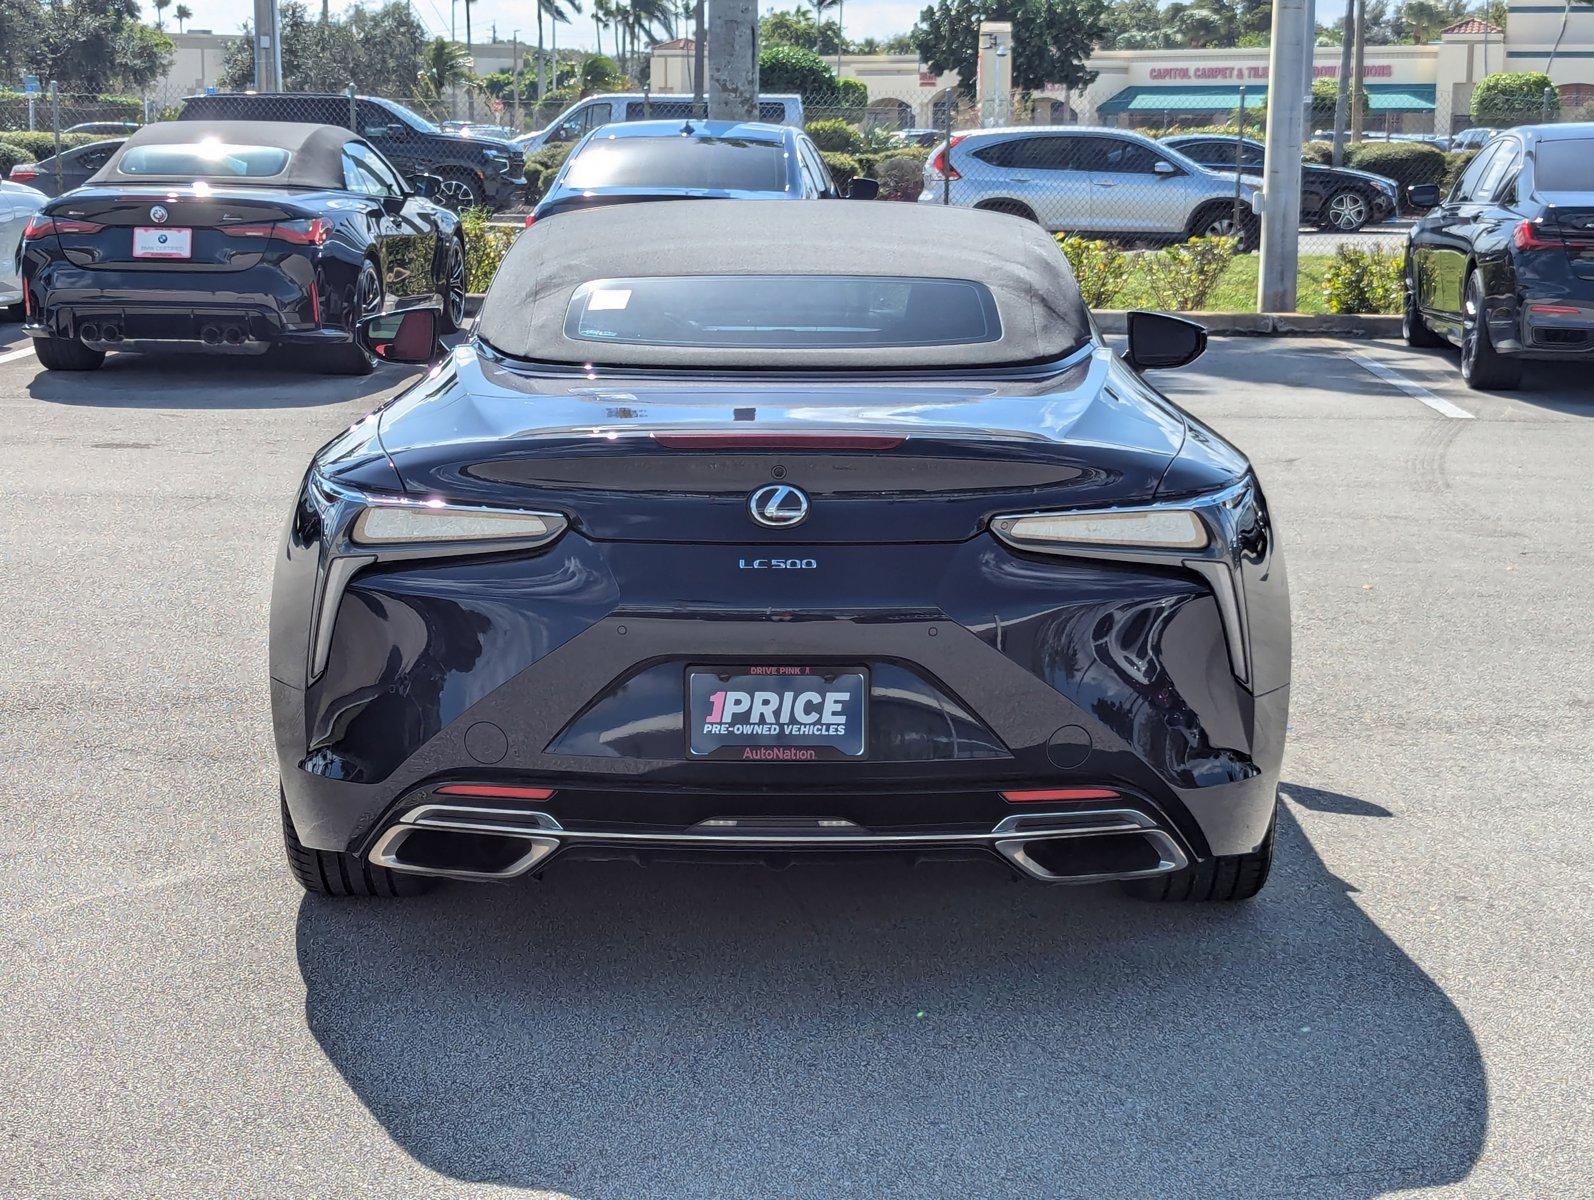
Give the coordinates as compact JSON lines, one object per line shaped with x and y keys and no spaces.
{"x":1406,"y":163}
{"x":844,"y":168}
{"x":10,"y":156}
{"x":1514,"y":98}
{"x":1364,"y":281}
{"x":42,"y":145}
{"x":901,"y":177}
{"x":836,"y":136}
{"x":485,"y":247}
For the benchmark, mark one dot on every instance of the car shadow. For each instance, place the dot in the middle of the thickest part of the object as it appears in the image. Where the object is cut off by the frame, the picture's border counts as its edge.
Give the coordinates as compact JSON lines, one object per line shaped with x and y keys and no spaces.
{"x":871,"y":1030}
{"x":197,"y":382}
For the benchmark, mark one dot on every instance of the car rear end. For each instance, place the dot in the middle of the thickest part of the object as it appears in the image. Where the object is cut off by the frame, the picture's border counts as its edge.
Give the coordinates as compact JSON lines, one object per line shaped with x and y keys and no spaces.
{"x":227,"y":271}
{"x":1553,"y":250}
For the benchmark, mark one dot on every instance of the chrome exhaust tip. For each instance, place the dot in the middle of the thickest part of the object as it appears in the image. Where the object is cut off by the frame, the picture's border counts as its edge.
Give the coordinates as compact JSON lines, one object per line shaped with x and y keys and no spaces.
{"x":461,"y":853}
{"x":89,"y":332}
{"x":111,"y":333}
{"x":1128,"y":847}
{"x":210,"y":335}
{"x":234,"y":336}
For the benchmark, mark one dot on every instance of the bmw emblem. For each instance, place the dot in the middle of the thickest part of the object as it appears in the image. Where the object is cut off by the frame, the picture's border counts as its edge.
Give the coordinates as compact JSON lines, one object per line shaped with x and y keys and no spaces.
{"x":157,"y":214}
{"x":778,"y":506}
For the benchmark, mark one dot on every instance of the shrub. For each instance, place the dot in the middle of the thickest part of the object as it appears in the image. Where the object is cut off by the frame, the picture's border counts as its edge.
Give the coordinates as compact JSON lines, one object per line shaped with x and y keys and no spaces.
{"x":1455,"y":163}
{"x":542,"y":166}
{"x":1363,"y":281}
{"x":10,"y":156}
{"x":41,"y":144}
{"x":1404,"y":162}
{"x":485,"y":247}
{"x":901,"y":178}
{"x":1098,"y":268}
{"x":1181,"y":277}
{"x":836,"y":136}
{"x":1325,"y":101}
{"x":790,"y":69}
{"x":1321,"y":153}
{"x":844,"y":168}
{"x":1514,"y":98}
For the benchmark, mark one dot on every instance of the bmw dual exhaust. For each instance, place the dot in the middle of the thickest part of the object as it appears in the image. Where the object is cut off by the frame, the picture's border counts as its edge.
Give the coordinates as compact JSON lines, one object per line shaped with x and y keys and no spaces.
{"x":484,"y":844}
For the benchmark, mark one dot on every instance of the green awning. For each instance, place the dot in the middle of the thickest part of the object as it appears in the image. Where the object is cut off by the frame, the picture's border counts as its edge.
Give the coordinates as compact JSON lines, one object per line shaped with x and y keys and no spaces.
{"x":1224,"y":98}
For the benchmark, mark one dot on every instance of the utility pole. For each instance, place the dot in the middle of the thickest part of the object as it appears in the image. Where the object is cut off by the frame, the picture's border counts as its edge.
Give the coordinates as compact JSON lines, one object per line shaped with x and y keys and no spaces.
{"x":1357,"y":116}
{"x":1288,"y":94}
{"x":1346,"y":83}
{"x":470,"y":62}
{"x":514,"y":73}
{"x":698,"y":48}
{"x":733,"y":60}
{"x":268,"y":47}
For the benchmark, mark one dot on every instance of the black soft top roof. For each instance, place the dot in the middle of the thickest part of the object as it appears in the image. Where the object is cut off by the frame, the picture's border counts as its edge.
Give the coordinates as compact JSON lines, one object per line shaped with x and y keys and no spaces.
{"x":315,"y":152}
{"x":1038,"y":302}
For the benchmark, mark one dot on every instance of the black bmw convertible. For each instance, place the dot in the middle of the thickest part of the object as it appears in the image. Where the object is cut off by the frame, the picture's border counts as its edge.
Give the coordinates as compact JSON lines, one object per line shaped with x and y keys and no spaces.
{"x":781,"y":531}
{"x":232,"y":237}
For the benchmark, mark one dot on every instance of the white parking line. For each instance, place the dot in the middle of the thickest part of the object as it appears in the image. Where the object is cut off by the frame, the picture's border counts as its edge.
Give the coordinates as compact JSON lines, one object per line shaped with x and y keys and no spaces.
{"x":1415,"y":390}
{"x":13,"y":355}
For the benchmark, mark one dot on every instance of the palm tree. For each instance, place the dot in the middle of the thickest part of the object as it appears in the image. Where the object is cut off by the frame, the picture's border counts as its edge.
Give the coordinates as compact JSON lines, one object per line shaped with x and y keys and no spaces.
{"x":444,"y":64}
{"x":182,"y":13}
{"x":160,"y":7}
{"x":647,"y":19}
{"x":554,"y":10}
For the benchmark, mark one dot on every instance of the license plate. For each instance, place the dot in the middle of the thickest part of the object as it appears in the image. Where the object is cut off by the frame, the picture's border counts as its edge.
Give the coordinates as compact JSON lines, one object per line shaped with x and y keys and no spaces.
{"x":154,"y":241}
{"x":777,"y":713}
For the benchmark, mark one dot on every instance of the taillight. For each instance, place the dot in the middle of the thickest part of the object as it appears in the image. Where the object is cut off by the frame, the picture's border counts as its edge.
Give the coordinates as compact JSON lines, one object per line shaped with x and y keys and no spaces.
{"x":40,"y":226}
{"x":1527,"y":237}
{"x":941,"y":164}
{"x":1556,"y":310}
{"x":23,"y":172}
{"x":310,"y":232}
{"x":531,"y":219}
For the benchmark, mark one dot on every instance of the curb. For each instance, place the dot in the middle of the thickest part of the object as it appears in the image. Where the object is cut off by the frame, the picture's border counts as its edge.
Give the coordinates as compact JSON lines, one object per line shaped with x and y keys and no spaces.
{"x":1360,"y":325}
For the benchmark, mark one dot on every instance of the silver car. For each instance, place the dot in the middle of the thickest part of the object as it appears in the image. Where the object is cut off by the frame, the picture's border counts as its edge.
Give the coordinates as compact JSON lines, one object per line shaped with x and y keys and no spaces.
{"x":17,"y":206}
{"x":1107,"y":182}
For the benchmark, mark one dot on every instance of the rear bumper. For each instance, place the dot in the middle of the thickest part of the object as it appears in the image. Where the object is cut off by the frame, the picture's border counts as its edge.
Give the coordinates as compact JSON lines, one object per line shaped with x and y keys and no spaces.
{"x":565,"y":670}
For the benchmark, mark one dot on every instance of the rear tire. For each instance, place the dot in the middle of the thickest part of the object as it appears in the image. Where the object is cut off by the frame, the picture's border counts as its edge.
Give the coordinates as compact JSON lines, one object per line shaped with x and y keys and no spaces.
{"x":452,"y":286}
{"x":1346,"y":211}
{"x":351,"y":358}
{"x":1217,"y":220}
{"x":1483,"y":368}
{"x":66,"y":354}
{"x":1412,"y":327}
{"x":328,"y":873}
{"x":1222,"y":879}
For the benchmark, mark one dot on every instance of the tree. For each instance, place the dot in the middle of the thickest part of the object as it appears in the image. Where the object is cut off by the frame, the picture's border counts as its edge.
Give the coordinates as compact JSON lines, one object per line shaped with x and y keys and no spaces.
{"x":1514,"y":98}
{"x":160,"y":12}
{"x":792,"y":69}
{"x":1426,"y":19}
{"x":1325,"y":99}
{"x":381,"y":51}
{"x":799,"y":28}
{"x":1051,"y":39}
{"x":92,"y":45}
{"x":445,"y":65}
{"x":182,"y":13}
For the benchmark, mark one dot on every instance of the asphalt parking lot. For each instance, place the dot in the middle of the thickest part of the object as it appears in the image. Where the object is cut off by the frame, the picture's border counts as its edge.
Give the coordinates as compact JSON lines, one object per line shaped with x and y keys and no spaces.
{"x":1399,"y":1009}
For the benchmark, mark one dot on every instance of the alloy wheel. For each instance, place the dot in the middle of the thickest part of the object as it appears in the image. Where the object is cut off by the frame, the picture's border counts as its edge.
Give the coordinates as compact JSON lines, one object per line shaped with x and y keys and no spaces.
{"x":454,"y":286}
{"x":1221,"y":227}
{"x":456,"y":194}
{"x":1469,"y":331}
{"x":1347,"y":211}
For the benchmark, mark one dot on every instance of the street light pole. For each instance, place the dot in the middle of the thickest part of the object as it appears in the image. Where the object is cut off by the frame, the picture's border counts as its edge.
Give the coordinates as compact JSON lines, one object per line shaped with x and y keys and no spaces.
{"x":268,"y":47}
{"x":1288,"y":94}
{"x":733,"y":60}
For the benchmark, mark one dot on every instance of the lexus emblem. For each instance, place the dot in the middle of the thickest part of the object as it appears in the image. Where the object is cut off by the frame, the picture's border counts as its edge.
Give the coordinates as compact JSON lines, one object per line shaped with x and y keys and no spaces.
{"x":157,"y":214}
{"x":778,"y":506}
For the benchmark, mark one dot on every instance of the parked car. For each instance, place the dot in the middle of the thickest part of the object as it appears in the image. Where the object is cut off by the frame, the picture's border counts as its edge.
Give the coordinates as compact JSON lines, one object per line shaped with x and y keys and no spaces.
{"x":1474,"y":138}
{"x":1337,"y":198}
{"x":1504,"y":265}
{"x":475,"y":171}
{"x":765,"y":529}
{"x":1105,"y":182}
{"x":70,"y":169}
{"x":610,"y":108}
{"x":118,"y":129}
{"x":477,"y":129}
{"x":231,"y":237}
{"x":919,"y":137}
{"x":671,"y":160}
{"x":17,"y":206}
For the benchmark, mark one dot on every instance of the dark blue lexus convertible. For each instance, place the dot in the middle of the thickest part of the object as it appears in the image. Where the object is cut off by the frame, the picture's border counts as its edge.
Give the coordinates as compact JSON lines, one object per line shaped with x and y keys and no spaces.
{"x":781,"y":531}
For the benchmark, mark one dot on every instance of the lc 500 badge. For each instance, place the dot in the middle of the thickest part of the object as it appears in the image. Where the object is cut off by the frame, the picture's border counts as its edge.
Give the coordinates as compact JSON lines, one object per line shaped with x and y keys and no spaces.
{"x":778,"y":564}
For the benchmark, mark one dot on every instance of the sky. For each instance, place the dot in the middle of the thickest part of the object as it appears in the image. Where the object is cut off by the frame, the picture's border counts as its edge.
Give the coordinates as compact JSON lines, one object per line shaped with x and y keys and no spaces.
{"x":863,"y":18}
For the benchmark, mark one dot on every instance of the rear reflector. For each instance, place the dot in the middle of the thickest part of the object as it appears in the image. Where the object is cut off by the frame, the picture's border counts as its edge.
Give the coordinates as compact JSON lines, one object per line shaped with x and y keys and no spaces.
{"x":491,"y":792}
{"x":1045,"y":795}
{"x":776,"y":441}
{"x":531,"y":219}
{"x":23,"y":172}
{"x":1527,"y":237}
{"x":1555,"y":310}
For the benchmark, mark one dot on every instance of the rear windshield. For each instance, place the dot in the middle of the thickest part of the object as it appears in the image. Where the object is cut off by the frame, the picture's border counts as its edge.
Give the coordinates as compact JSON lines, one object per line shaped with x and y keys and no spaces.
{"x":770,"y":312}
{"x":1565,"y":166}
{"x":208,"y":158}
{"x":680,"y":162}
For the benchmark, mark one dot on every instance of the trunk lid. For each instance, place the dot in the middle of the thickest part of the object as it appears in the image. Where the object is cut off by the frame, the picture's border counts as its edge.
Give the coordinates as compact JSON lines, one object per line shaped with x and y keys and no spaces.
{"x":676,"y":461}
{"x":227,"y":230}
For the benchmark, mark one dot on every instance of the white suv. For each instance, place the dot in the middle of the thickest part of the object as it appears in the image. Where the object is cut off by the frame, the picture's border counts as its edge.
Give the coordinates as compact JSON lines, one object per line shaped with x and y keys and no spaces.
{"x":1093,"y":181}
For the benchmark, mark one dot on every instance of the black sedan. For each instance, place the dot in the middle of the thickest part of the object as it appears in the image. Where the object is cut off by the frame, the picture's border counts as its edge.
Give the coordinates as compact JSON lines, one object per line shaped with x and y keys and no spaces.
{"x":1504,"y":265}
{"x":778,"y":531}
{"x":231,"y":237}
{"x":1336,"y":198}
{"x":62,"y":172}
